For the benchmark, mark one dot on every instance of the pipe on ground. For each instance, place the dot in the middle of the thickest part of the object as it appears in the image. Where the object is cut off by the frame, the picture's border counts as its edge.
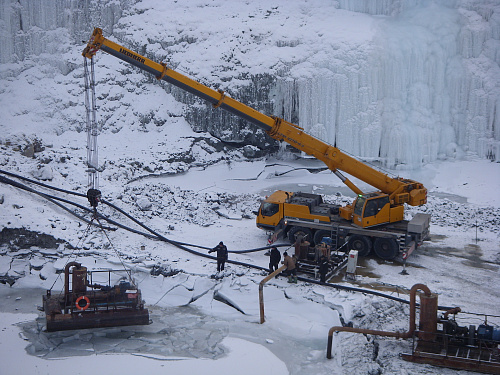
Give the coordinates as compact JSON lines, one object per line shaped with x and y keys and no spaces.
{"x":66,"y":275}
{"x":261,"y":290}
{"x":399,"y":335}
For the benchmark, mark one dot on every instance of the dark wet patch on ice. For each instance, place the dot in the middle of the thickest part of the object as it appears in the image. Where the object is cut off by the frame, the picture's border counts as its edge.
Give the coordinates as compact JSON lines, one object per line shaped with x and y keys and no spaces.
{"x":22,"y":238}
{"x":470,"y":253}
{"x":177,"y":332}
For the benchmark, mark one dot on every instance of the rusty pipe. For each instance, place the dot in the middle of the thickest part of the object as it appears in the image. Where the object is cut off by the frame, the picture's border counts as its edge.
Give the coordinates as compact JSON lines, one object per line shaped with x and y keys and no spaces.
{"x":413,"y":306}
{"x":453,"y":311}
{"x":66,"y":275}
{"x":399,"y":335}
{"x":261,"y":290}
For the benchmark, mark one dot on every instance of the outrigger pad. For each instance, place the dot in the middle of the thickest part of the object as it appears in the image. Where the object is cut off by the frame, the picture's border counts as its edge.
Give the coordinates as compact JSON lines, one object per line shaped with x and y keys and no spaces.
{"x":94,"y":196}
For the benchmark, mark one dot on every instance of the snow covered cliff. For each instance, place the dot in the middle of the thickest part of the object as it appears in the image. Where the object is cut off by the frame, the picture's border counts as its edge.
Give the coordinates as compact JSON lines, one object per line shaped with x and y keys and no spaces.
{"x":403,"y":82}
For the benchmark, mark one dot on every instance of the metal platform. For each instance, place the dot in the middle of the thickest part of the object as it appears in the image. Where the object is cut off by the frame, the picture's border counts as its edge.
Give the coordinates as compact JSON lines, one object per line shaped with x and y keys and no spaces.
{"x":483,"y":357}
{"x":309,"y":267}
{"x":91,"y":305}
{"x":100,"y":319}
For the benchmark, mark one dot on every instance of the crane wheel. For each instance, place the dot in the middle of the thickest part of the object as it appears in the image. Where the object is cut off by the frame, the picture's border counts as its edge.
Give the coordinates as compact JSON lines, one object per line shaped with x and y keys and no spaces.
{"x":386,"y":248}
{"x":360,"y":243}
{"x":295,"y":232}
{"x":318,"y":236}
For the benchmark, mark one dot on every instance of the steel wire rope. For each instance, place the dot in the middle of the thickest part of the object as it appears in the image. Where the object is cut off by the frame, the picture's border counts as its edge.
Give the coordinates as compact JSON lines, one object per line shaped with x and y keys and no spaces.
{"x":164,"y":294}
{"x":68,"y":261}
{"x":129,"y":273}
{"x":179,"y":244}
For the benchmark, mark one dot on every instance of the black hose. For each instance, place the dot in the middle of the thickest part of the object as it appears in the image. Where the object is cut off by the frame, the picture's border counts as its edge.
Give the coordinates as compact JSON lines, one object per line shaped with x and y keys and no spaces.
{"x":154,"y":235}
{"x":181,"y":245}
{"x":42,"y":184}
{"x":49,"y":198}
{"x":173,"y":242}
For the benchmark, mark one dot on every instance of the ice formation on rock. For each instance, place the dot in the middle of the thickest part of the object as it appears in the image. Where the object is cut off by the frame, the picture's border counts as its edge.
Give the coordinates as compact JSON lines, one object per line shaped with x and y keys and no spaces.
{"x":403,"y":82}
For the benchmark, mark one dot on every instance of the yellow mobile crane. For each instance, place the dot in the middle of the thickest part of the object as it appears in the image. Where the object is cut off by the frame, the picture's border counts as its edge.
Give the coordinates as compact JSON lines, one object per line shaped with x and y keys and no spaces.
{"x":372,"y":220}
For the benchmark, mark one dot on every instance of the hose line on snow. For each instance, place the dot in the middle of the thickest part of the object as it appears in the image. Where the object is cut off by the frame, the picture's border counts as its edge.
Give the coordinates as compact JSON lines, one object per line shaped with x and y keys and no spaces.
{"x":181,"y":245}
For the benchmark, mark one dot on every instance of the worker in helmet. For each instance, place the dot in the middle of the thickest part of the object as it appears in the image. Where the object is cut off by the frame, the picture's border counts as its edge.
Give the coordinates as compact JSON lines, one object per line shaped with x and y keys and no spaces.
{"x":221,"y":250}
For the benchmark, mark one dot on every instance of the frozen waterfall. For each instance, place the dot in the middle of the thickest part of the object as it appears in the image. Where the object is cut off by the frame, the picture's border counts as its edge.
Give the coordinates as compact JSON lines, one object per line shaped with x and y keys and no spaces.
{"x":429,"y":88}
{"x":404,"y":82}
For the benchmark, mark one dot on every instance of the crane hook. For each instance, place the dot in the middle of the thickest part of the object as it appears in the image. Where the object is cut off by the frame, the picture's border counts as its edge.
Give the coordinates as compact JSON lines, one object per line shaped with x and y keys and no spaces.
{"x":94,"y":197}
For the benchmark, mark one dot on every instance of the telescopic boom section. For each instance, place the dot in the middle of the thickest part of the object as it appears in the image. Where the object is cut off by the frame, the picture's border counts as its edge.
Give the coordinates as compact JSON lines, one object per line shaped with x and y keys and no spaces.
{"x":160,"y":71}
{"x":400,"y":191}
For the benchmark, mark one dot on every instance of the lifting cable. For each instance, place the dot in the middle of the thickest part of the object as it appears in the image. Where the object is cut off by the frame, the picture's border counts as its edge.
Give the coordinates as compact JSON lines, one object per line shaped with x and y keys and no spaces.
{"x":128,"y":271}
{"x":182,"y":245}
{"x":76,"y":247}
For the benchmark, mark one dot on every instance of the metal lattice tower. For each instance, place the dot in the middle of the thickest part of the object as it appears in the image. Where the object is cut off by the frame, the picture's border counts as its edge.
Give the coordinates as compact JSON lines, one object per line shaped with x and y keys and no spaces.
{"x":93,"y":193}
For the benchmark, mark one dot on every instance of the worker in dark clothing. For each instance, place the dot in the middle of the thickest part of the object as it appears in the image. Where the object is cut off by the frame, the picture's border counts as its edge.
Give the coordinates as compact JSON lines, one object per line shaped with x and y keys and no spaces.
{"x":323,"y":268}
{"x":274,"y":259}
{"x":221,"y":250}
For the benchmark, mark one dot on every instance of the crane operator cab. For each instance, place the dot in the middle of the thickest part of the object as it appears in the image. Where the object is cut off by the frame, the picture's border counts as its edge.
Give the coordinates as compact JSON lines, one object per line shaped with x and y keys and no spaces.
{"x":271,"y":210}
{"x":374,"y":209}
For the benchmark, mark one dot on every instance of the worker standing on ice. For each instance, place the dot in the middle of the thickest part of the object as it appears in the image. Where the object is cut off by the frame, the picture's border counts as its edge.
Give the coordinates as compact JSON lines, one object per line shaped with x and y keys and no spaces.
{"x":221,"y":250}
{"x":274,"y":259}
{"x":289,"y":262}
{"x":323,"y":268}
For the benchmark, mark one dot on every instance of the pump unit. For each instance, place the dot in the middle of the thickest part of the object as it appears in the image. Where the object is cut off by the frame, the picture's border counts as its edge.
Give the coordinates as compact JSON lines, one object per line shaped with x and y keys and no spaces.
{"x":90,"y":305}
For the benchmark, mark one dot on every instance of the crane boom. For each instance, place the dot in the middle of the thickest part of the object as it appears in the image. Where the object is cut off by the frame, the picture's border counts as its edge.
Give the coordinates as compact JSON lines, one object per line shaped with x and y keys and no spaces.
{"x":162,"y":72}
{"x":398,"y":190}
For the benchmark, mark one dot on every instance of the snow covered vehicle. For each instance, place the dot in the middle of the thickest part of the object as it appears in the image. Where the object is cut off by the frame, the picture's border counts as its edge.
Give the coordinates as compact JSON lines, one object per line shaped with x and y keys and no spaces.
{"x":374,"y":220}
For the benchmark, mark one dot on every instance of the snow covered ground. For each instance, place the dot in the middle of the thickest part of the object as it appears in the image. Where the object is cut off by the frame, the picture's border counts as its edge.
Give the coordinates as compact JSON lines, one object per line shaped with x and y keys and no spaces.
{"x":194,"y":327}
{"x":191,"y":187}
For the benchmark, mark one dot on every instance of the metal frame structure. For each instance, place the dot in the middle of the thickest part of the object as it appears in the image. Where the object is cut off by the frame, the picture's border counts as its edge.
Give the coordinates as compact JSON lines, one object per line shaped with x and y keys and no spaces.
{"x":477,"y":355}
{"x":99,"y":306}
{"x":91,"y":125}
